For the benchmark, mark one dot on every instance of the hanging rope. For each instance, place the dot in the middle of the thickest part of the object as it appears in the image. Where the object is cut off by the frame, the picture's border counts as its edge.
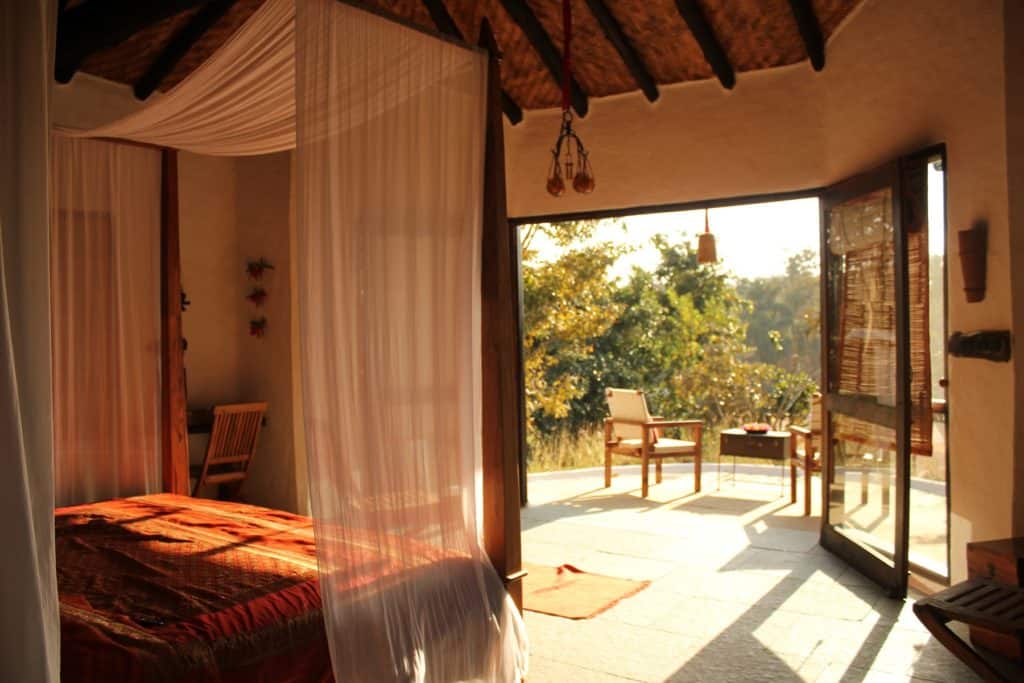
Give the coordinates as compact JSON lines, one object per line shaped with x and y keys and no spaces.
{"x":569,"y":159}
{"x":566,"y":54}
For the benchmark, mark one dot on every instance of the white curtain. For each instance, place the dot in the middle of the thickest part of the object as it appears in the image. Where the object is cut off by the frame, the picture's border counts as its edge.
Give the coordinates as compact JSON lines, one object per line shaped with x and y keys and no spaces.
{"x":105,"y":303}
{"x":390,"y":179}
{"x":29,"y":618}
{"x":240,"y":101}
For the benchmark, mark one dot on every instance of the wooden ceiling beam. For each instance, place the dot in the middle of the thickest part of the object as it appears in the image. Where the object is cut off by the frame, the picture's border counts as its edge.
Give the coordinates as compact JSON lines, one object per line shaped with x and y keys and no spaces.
{"x":445,"y":24}
{"x":810,"y":31}
{"x":541,"y":42}
{"x":702,"y":32}
{"x":94,"y":26}
{"x":179,"y":46}
{"x":630,"y":57}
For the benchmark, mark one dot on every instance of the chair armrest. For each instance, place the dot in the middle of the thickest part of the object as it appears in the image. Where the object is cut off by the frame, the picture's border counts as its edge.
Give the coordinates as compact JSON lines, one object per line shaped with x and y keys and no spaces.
{"x":675,"y":423}
{"x":697,"y":426}
{"x":801,"y":434}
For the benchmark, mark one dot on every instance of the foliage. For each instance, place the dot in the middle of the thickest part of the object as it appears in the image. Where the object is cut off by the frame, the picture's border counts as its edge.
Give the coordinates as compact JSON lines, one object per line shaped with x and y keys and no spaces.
{"x":683,"y":333}
{"x":567,"y":305}
{"x":784,"y":320}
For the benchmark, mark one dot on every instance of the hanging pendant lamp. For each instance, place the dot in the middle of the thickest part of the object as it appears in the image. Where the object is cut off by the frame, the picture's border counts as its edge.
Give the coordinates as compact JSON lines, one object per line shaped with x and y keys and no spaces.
{"x":706,"y":251}
{"x":569,"y":159}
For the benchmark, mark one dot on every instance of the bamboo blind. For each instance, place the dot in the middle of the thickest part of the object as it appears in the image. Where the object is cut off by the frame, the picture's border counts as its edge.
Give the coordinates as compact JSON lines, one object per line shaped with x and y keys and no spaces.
{"x":861,"y":237}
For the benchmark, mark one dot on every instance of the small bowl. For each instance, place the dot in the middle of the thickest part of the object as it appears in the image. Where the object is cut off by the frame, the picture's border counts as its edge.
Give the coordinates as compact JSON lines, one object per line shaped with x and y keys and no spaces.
{"x":757,"y":428}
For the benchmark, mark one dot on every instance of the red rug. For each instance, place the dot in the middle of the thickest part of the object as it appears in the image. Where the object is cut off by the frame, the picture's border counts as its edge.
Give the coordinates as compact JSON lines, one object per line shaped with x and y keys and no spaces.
{"x":572,"y":593}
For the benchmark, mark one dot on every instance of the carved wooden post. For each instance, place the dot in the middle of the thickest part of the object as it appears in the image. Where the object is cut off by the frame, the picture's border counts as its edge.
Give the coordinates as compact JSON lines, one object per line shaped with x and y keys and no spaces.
{"x":174,"y":428}
{"x":500,"y":349}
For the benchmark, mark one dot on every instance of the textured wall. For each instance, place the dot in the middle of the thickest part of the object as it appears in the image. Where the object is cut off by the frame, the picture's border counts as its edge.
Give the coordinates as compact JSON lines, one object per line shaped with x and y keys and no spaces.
{"x":263,"y":216}
{"x":212,"y":275}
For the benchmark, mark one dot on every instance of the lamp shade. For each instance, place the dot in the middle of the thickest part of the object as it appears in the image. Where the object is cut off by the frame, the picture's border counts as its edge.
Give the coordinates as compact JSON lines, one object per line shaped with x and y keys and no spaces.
{"x":706,"y":252}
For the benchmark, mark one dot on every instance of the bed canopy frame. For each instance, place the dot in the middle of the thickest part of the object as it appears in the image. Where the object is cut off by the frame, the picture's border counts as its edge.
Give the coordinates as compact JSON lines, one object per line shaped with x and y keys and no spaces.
{"x":502,"y":433}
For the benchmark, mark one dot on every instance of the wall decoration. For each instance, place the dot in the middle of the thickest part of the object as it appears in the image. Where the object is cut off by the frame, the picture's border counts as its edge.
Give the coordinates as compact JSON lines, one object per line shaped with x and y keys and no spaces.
{"x":258,"y":327}
{"x":993,"y":345}
{"x":257,"y":296}
{"x":256,"y":269}
{"x":973,"y":253}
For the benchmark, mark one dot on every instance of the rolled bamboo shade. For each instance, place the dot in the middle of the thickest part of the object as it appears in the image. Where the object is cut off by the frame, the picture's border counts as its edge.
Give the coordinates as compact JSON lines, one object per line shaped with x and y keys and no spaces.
{"x":861,"y":232}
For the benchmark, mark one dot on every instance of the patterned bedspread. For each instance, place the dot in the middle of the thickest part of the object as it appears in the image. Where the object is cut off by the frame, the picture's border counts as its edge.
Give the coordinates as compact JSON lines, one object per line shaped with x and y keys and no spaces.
{"x":169,"y":588}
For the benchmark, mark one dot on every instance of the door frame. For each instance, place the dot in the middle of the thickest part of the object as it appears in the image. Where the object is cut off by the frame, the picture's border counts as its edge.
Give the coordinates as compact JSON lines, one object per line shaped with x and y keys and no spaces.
{"x":894,"y":578}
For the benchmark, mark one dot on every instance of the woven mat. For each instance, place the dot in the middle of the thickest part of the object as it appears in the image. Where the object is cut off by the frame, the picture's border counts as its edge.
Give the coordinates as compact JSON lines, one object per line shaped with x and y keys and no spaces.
{"x":569,"y":592}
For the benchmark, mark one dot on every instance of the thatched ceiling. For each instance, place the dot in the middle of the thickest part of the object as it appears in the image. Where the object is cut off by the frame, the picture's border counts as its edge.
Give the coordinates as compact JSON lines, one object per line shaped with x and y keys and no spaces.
{"x":618,"y":45}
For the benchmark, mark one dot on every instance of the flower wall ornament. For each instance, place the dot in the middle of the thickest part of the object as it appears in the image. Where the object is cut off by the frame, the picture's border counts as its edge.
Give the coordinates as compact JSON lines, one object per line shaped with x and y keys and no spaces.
{"x":258,"y":327}
{"x":569,"y":158}
{"x":256,"y":269}
{"x":257,"y":297}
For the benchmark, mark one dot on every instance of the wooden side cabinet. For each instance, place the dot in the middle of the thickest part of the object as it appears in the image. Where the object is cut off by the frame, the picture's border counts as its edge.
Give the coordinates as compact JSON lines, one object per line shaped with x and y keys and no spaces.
{"x":1003,"y":561}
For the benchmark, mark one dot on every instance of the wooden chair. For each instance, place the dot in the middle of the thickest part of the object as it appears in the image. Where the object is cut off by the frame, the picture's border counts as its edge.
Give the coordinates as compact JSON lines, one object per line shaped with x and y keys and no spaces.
{"x":631,"y":430}
{"x":805,"y":452}
{"x":975,"y":602}
{"x":233,"y":438}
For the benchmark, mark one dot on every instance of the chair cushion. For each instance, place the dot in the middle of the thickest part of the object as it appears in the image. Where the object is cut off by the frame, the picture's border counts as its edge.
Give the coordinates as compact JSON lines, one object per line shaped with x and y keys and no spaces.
{"x":663,"y":446}
{"x":627,"y":404}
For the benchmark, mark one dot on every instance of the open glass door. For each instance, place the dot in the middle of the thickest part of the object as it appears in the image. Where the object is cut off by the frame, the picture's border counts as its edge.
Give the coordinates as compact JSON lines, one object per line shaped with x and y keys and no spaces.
{"x":866,"y":376}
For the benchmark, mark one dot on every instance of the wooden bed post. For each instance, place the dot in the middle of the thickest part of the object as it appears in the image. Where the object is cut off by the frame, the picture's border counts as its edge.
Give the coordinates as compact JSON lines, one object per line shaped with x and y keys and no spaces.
{"x":173,"y":424}
{"x":500,"y":349}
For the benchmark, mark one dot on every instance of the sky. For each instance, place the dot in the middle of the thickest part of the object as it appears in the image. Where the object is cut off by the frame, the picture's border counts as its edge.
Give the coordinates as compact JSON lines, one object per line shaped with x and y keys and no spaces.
{"x":753,"y":240}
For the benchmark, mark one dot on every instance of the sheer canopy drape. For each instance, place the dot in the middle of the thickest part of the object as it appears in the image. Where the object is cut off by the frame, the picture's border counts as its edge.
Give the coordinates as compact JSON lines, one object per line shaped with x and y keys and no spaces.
{"x":105,"y":299}
{"x":240,"y":101}
{"x":390,"y":166}
{"x":29,"y":618}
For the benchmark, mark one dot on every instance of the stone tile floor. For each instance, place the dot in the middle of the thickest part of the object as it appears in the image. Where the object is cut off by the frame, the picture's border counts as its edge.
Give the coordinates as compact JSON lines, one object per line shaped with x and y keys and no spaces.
{"x":741,"y":590}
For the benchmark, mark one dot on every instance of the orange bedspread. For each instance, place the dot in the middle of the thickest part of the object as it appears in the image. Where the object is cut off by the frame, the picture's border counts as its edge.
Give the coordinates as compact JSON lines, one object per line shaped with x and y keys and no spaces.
{"x":169,"y":588}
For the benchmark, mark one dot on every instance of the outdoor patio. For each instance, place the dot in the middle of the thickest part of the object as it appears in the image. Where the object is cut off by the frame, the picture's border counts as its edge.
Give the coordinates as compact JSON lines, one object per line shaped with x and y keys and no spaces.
{"x":740,"y":589}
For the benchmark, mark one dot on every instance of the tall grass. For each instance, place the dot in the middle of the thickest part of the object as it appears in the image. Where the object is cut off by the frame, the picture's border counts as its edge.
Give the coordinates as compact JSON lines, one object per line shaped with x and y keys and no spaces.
{"x":565,"y":451}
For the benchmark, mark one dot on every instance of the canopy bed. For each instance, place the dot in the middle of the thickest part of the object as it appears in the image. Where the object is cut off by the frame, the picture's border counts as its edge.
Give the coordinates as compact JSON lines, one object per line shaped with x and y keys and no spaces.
{"x":409,"y":353}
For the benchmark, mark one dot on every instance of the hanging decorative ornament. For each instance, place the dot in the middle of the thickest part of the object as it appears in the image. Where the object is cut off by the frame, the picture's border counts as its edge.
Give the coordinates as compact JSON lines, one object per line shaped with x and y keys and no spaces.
{"x":706,"y":251}
{"x":569,"y":159}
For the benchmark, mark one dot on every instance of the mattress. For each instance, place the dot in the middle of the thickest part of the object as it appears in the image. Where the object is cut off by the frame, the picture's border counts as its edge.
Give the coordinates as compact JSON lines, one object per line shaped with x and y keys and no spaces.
{"x":169,"y":588}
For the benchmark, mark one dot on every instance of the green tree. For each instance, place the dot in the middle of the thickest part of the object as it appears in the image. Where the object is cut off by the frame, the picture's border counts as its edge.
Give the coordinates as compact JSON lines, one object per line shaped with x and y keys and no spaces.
{"x":783,"y":321}
{"x":682,"y":333}
{"x":567,"y":305}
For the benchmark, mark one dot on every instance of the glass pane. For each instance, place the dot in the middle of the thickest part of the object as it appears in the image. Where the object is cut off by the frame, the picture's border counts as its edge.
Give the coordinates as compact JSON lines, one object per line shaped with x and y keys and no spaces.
{"x":862,"y":492}
{"x":862,"y":348}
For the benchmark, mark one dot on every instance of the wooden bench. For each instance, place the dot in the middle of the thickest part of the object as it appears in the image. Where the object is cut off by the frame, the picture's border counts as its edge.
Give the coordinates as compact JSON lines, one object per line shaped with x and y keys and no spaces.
{"x":975,"y":602}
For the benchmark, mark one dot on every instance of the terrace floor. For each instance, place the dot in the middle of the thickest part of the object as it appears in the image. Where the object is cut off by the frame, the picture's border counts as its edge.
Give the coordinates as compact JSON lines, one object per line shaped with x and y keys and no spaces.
{"x":741,"y":590}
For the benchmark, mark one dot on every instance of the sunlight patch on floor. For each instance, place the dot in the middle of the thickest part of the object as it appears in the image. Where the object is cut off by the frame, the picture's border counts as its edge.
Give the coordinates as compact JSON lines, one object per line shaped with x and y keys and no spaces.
{"x":740,"y":588}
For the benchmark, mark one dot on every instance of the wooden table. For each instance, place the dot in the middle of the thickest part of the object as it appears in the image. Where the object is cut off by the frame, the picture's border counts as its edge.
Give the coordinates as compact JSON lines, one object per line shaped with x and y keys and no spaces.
{"x":768,"y":446}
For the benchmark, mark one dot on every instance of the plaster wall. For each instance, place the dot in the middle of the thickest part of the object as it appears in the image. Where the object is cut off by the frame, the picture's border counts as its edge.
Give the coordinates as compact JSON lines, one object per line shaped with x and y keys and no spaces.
{"x":265,"y":374}
{"x":88,"y":101}
{"x":698,"y":141}
{"x":899,"y":76}
{"x":213,"y":277}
